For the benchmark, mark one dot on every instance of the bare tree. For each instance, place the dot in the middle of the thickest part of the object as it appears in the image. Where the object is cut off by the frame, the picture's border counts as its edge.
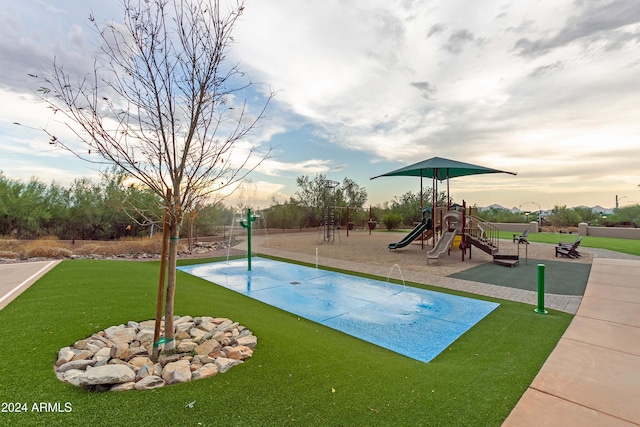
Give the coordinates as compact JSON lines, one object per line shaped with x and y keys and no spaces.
{"x":160,"y":103}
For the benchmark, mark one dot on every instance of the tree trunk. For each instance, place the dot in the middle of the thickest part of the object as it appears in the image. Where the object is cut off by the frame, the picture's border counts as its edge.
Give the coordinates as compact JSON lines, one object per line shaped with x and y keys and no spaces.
{"x":169,"y":346}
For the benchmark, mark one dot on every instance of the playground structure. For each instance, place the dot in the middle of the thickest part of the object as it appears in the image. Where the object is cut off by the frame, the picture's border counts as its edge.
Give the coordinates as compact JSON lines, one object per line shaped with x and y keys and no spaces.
{"x":424,"y":231}
{"x":451,"y":224}
{"x":459,"y":226}
{"x":329,"y":222}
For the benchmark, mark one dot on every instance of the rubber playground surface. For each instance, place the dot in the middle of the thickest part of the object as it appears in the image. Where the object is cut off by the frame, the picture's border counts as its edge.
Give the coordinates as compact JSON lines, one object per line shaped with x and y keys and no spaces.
{"x":414,"y":322}
{"x":561,"y":278}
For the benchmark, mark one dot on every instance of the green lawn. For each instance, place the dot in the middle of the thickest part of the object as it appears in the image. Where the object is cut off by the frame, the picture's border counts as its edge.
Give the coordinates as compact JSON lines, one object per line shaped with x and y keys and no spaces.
{"x":301,"y":373}
{"x":627,"y":246}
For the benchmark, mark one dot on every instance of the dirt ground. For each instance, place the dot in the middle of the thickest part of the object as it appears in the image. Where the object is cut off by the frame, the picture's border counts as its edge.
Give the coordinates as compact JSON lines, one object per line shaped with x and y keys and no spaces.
{"x":364,"y":248}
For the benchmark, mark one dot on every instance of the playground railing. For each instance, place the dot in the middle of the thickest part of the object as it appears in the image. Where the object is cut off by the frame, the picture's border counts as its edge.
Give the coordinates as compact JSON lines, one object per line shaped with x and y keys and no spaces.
{"x":483,"y":231}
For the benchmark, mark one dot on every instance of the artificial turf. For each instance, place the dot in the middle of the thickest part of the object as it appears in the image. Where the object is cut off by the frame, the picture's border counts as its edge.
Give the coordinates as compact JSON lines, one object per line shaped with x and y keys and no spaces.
{"x":562,"y":278}
{"x":301,"y":373}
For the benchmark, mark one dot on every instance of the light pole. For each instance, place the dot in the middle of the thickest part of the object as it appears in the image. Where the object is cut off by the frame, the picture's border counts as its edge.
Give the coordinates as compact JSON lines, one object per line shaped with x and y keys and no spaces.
{"x":527,"y":213}
{"x":618,"y":198}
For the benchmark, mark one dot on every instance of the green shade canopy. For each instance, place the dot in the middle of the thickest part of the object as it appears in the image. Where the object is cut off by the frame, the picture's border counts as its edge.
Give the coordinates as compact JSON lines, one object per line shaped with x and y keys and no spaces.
{"x":441,"y":169}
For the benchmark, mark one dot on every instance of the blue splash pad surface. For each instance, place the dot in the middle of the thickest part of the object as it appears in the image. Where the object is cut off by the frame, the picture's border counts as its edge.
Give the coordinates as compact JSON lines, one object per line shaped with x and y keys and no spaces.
{"x":414,"y":322}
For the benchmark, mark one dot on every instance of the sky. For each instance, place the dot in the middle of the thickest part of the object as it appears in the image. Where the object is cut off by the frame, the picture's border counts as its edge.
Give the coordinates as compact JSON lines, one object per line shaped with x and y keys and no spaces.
{"x":549,"y":89}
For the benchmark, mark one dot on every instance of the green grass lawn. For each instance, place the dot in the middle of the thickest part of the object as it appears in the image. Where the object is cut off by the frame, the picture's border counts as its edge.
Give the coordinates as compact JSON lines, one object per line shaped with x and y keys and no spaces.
{"x":627,"y":246}
{"x":301,"y":373}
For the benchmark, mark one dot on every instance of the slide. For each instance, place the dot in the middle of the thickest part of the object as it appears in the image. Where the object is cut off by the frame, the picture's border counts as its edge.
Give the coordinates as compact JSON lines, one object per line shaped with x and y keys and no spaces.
{"x":415,"y":233}
{"x":442,"y":246}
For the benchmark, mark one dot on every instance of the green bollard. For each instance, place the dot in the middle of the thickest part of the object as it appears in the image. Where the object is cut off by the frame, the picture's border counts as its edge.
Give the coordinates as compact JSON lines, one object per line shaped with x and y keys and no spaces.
{"x":250,"y":219}
{"x":540,"y":308}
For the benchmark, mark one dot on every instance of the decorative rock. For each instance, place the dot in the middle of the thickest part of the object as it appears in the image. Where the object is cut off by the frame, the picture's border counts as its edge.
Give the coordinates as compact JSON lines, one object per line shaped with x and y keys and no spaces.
{"x":183,"y":319}
{"x":248,"y":341}
{"x":64,"y":355}
{"x":138,"y":351}
{"x":97,"y":337}
{"x":133,"y":325}
{"x":140,"y":361}
{"x":85,"y":354}
{"x":186,"y":346}
{"x":203,"y":359}
{"x":72,"y":376}
{"x":112,"y":330}
{"x":124,"y":335}
{"x":144,"y":371}
{"x":97,"y":343}
{"x":147,"y":383}
{"x":239,"y":352}
{"x":107,"y":374}
{"x":118,"y":358}
{"x":182,"y":335}
{"x":163,"y":360}
{"x":145,"y":335}
{"x":149,"y":324}
{"x":205,"y":371}
{"x":94,"y":348}
{"x":224,"y":364}
{"x":124,"y":386}
{"x":81,"y":345}
{"x":198,"y":334}
{"x":76,"y":364}
{"x":103,"y":353}
{"x":120,"y":351}
{"x":177,"y":372}
{"x":227,"y":325}
{"x":206,"y":325}
{"x":208,"y":347}
{"x":121,"y":362}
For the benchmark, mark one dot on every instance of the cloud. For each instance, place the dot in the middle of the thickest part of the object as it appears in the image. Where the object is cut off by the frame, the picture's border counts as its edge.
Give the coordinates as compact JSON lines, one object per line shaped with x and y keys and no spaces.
{"x":458,"y":40}
{"x":595,"y":21}
{"x":546,"y":69}
{"x":436,"y":29}
{"x":273,"y":167}
{"x":425,"y":88}
{"x":538,"y":87}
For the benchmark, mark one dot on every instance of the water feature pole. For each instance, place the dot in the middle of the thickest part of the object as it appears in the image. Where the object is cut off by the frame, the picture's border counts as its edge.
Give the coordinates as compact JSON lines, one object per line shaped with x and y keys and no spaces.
{"x":540,"y":308}
{"x":247,"y":225}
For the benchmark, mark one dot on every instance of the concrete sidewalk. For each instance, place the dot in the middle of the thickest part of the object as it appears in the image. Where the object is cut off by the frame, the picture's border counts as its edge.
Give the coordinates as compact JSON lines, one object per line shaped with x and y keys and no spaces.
{"x":592,"y":377}
{"x":16,"y":277}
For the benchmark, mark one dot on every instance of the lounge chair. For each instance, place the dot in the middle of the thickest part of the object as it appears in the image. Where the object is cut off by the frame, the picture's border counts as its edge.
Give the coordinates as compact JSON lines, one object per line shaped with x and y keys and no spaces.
{"x":571,"y":243}
{"x":522,"y":238}
{"x":569,"y":250}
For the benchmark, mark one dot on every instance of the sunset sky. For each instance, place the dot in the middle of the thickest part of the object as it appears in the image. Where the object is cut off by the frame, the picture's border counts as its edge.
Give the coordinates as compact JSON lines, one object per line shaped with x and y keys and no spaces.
{"x":549,"y":89}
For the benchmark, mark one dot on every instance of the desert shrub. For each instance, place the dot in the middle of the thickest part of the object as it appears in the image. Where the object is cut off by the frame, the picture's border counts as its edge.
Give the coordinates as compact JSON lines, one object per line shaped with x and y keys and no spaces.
{"x":48,"y":252}
{"x":101,"y":248}
{"x":11,"y":245}
{"x":392,"y":220}
{"x":9,"y":254}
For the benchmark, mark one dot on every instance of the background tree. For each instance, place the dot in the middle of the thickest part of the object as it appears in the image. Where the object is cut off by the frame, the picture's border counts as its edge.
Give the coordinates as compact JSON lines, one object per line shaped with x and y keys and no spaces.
{"x":318,"y":193}
{"x":562,"y":216}
{"x":159,"y":104}
{"x":495,"y":214}
{"x":587,"y":214}
{"x":350,"y":194}
{"x":285,"y":215}
{"x":629,"y":214}
{"x":312,"y":195}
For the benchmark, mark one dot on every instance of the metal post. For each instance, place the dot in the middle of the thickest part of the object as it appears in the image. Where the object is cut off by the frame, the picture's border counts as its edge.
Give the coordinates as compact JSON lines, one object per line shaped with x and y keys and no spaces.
{"x":247,"y":225}
{"x":540,"y":308}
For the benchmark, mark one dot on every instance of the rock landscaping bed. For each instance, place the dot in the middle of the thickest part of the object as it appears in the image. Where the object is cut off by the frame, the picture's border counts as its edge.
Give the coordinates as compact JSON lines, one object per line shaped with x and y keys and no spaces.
{"x":118,"y":358}
{"x":19,"y":251}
